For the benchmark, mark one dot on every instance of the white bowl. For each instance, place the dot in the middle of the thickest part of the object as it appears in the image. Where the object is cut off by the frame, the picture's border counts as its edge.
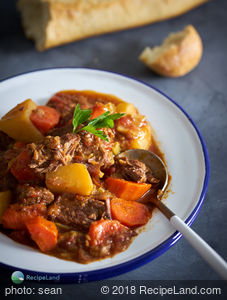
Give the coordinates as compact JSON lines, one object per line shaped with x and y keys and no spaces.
{"x":178,"y":137}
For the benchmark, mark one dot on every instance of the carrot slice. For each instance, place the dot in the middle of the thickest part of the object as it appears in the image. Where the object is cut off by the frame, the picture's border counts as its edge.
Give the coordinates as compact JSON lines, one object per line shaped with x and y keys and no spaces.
{"x":129,"y":213}
{"x":17,"y":215}
{"x":45,"y":118}
{"x":98,"y":110}
{"x":101,"y":230}
{"x":127,"y":190}
{"x":20,"y":168}
{"x":43,"y":232}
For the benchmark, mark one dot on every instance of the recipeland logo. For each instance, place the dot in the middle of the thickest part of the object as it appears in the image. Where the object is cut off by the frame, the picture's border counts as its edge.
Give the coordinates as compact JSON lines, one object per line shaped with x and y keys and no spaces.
{"x":17,"y":277}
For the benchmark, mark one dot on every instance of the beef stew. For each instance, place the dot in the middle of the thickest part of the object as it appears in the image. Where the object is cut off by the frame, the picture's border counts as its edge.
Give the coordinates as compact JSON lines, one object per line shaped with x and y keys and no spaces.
{"x":64,"y":190}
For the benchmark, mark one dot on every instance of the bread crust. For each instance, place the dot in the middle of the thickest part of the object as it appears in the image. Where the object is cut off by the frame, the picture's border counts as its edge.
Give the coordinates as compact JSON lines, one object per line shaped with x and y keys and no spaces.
{"x":179,"y":54}
{"x":56,"y":22}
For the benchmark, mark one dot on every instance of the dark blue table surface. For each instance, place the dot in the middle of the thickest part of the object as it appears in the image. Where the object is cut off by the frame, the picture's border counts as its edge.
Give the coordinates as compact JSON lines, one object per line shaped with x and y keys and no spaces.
{"x":202,"y":93}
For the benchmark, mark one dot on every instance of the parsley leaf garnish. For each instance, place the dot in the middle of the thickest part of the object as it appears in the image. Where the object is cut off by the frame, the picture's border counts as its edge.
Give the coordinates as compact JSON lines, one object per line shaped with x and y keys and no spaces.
{"x":80,"y":116}
{"x":106,"y":120}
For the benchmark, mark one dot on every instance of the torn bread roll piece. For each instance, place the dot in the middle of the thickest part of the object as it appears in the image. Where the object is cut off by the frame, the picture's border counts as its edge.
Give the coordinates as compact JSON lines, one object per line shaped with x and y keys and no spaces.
{"x":54,"y":22}
{"x":179,"y":54}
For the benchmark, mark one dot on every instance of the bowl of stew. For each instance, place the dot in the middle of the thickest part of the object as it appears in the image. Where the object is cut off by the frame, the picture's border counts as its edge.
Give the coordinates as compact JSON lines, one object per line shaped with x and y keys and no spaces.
{"x":68,"y":202}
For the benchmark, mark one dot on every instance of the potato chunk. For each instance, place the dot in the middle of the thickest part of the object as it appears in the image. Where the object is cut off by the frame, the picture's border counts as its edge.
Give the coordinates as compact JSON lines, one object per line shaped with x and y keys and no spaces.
{"x":17,"y":124}
{"x":136,"y":130}
{"x":73,"y":178}
{"x":5,"y":198}
{"x":143,"y":139}
{"x":127,"y":108}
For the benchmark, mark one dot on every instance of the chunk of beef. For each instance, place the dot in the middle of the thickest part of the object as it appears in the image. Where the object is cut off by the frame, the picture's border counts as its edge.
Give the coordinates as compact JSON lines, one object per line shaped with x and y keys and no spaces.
{"x":59,"y":131}
{"x":135,"y":170}
{"x":7,"y":180}
{"x":28,"y":195}
{"x":53,"y":152}
{"x":95,"y":150}
{"x":5,"y":141}
{"x":76,"y":211}
{"x":91,"y":149}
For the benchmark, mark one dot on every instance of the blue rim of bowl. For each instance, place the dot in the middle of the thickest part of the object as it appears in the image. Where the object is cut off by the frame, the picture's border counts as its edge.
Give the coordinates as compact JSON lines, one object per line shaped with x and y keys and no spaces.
{"x":139,"y":261}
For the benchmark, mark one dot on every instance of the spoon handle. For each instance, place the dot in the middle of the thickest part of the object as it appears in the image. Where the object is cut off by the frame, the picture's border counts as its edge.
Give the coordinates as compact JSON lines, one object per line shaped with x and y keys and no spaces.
{"x":206,"y":252}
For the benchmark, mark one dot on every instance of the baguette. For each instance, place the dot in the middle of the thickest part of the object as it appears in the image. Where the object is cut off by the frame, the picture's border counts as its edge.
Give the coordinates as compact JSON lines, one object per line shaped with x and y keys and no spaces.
{"x":179,"y":54}
{"x":54,"y":22}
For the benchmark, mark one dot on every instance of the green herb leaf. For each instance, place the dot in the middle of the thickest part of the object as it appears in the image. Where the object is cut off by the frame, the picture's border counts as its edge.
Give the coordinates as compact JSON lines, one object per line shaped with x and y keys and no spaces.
{"x":96,"y":132}
{"x":106,"y":120}
{"x":80,"y":116}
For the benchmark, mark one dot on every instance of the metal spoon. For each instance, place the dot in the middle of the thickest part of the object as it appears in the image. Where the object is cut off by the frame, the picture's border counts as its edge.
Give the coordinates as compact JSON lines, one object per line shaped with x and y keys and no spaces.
{"x":159,"y":171}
